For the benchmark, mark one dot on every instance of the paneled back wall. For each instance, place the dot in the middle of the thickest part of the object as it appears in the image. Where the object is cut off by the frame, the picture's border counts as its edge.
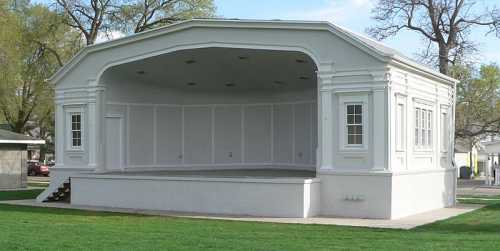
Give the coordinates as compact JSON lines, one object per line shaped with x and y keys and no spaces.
{"x":283,"y":135}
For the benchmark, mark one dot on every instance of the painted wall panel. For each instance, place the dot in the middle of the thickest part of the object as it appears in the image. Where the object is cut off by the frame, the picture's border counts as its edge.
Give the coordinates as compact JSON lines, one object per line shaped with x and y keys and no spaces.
{"x":283,"y":133}
{"x":141,"y":135}
{"x":257,"y":136}
{"x":169,"y":135}
{"x":227,"y":134}
{"x":197,"y":135}
{"x":302,"y":131}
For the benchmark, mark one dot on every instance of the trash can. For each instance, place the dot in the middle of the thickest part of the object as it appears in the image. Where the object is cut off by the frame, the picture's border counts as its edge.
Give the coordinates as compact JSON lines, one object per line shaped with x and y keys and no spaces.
{"x":465,"y":172}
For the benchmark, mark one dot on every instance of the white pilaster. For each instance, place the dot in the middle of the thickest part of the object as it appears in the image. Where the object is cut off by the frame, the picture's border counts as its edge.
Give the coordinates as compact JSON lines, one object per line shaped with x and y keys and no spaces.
{"x":96,"y":126}
{"x":381,"y":142}
{"x":59,"y":131}
{"x":325,"y":120}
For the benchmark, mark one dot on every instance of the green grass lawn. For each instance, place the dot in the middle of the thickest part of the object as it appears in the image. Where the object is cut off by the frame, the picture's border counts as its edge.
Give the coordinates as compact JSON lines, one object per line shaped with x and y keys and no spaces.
{"x":27,"y":228}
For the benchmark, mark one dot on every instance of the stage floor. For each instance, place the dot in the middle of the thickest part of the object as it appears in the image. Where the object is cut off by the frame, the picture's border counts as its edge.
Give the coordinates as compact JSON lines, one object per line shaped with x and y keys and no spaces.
{"x":232,"y":173}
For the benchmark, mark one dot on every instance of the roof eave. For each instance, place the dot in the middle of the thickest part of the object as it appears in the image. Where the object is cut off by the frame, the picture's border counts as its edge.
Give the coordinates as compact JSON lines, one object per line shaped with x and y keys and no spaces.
{"x":23,"y":142}
{"x":408,"y":64}
{"x":311,"y":25}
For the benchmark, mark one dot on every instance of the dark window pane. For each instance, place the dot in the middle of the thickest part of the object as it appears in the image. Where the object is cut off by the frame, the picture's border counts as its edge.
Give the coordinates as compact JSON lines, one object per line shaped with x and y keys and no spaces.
{"x":358,"y":129}
{"x":350,"y":119}
{"x":359,"y":139}
{"x":350,"y":130}
{"x":350,"y":109}
{"x":350,"y":139}
{"x":357,"y":109}
{"x":357,"y":119}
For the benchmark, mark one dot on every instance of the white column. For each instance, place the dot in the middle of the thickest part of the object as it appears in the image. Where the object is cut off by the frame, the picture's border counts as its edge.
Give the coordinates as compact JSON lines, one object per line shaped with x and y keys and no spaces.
{"x":96,"y":127}
{"x":325,"y":121}
{"x":380,"y":124}
{"x":60,"y":137}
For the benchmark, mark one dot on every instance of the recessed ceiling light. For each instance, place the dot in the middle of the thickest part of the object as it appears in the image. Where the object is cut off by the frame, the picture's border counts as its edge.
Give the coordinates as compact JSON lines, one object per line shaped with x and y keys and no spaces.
{"x":141,"y":72}
{"x":303,"y":78}
{"x":300,"y":61}
{"x":191,"y":84}
{"x":242,"y":57}
{"x":230,"y":85}
{"x":191,"y":61}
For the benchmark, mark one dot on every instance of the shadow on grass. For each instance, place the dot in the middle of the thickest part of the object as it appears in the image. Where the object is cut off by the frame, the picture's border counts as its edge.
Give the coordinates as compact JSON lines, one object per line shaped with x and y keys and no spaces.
{"x":62,"y":211}
{"x":20,"y":194}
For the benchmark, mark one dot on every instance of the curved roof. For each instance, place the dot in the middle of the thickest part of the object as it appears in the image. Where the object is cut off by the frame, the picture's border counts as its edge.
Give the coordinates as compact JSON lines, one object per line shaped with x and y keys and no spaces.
{"x":369,"y":45}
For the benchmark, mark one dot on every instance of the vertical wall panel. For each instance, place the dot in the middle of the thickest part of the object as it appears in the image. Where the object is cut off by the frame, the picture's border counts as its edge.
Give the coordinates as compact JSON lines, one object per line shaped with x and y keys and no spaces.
{"x":302,"y":126}
{"x":283,"y":133}
{"x":228,"y":134}
{"x":314,"y":132}
{"x":141,"y":135}
{"x":257,"y":134}
{"x":197,"y":135}
{"x":169,"y":135}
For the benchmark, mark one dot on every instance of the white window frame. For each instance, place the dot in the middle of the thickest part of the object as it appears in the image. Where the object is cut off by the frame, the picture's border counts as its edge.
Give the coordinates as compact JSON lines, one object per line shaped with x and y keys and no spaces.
{"x":423,"y":126}
{"x":69,"y":112}
{"x":400,"y":123}
{"x":344,"y":101}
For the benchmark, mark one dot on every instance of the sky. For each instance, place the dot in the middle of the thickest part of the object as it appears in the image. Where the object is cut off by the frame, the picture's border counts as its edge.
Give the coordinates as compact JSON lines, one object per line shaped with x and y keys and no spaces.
{"x":352,"y":14}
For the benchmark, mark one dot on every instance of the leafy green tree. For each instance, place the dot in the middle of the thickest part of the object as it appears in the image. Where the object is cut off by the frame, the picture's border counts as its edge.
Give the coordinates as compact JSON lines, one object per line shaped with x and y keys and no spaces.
{"x":34,"y":43}
{"x":94,"y":18}
{"x":478,"y":101}
{"x":141,"y":15}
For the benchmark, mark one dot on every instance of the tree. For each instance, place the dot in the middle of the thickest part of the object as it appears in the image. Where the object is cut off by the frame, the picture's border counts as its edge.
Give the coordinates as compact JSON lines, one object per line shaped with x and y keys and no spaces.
{"x":90,"y":17}
{"x":101,"y":17}
{"x":33,"y":45}
{"x":445,"y":25}
{"x":478,"y":102}
{"x":142,"y":15}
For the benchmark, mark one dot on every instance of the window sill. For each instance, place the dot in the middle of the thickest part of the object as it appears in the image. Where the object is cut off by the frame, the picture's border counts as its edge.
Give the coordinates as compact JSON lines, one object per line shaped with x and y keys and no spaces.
{"x":81,"y":150}
{"x":353,"y":149}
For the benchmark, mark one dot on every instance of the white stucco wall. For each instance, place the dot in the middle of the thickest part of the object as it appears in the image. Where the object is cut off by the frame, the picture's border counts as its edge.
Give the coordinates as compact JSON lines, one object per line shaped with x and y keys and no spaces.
{"x":418,"y":192}
{"x":255,"y":197}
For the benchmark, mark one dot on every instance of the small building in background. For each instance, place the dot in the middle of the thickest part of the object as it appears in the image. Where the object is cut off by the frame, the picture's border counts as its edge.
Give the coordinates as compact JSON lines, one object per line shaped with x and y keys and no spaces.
{"x":13,"y":157}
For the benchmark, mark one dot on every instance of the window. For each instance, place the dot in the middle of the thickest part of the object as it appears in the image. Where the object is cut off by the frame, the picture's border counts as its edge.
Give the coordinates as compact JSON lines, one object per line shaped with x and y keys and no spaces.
{"x":354,"y":124}
{"x":76,"y":130}
{"x":423,"y":128}
{"x":353,"y":119}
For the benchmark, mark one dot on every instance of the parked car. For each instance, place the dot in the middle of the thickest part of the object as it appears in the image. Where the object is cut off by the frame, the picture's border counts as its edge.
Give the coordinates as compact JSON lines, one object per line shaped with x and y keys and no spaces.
{"x":36,"y":169}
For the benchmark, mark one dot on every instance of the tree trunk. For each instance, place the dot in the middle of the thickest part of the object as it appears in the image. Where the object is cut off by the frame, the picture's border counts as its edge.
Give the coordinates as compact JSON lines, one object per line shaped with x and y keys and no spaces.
{"x":471,"y":163}
{"x":443,"y":59}
{"x":43,"y":152}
